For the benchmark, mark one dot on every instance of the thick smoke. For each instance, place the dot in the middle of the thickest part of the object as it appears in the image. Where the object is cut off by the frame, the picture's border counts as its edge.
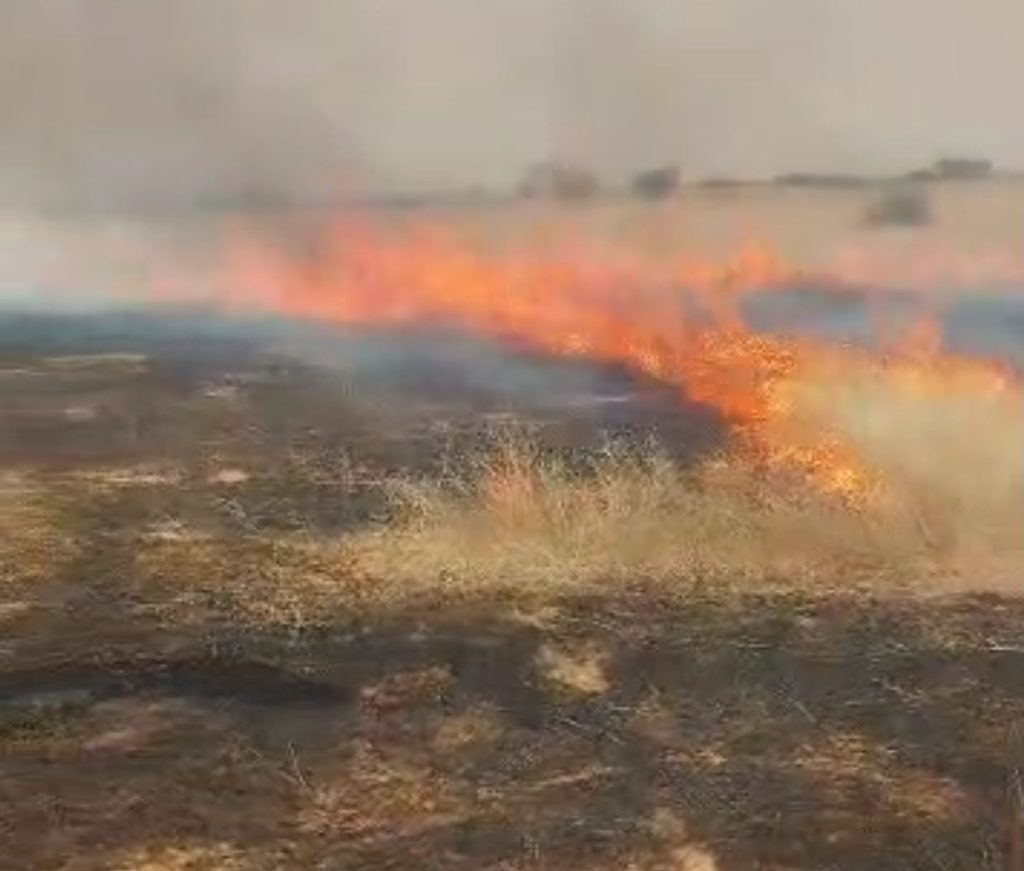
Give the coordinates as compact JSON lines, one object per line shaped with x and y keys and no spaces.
{"x":150,"y":103}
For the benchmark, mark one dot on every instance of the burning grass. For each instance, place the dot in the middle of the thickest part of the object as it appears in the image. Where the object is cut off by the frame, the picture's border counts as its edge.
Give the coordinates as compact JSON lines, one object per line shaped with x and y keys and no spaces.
{"x":677,"y":321}
{"x":950,"y":458}
{"x":517,"y":518}
{"x":946,"y":500}
{"x":521,"y":657}
{"x":513,"y":516}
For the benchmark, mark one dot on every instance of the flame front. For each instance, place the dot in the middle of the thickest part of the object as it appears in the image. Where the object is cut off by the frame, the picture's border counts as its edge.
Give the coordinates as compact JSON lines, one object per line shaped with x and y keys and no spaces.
{"x":676,"y":322}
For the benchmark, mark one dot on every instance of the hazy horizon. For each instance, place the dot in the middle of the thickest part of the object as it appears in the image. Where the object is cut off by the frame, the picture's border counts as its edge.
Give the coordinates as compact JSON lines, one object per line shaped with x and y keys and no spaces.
{"x":106,"y":102}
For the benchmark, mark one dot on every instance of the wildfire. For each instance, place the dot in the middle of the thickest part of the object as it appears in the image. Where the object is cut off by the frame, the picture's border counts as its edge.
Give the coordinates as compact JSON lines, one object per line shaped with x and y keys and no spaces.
{"x":676,"y":322}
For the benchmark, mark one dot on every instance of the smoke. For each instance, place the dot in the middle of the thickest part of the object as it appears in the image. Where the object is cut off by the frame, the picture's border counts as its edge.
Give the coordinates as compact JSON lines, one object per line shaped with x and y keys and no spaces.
{"x":151,"y":103}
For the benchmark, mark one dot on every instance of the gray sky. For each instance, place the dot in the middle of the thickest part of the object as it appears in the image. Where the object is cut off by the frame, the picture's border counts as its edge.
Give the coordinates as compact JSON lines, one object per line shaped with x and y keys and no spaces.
{"x":167,"y":100}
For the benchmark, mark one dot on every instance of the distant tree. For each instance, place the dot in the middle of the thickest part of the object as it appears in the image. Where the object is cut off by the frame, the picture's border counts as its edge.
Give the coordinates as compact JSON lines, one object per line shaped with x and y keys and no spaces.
{"x":656,"y":184}
{"x":962,"y":167}
{"x":564,"y":181}
{"x":903,"y":206}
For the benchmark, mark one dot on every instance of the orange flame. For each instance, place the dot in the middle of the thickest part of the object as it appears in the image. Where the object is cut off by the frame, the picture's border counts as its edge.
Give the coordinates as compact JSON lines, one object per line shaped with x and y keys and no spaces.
{"x":622,"y":309}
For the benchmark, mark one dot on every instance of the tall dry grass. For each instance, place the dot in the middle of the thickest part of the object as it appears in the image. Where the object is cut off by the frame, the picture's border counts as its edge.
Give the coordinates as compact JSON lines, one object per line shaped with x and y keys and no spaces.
{"x":527,"y":521}
{"x":518,"y":517}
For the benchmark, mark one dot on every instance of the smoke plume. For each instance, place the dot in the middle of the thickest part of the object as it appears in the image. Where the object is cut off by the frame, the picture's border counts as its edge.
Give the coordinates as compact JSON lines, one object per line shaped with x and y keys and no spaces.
{"x":151,"y":103}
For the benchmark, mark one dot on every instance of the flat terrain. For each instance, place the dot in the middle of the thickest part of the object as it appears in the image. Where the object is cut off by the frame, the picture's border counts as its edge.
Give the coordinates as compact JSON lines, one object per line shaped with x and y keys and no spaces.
{"x":278,"y":595}
{"x":974,"y":238}
{"x":201,"y":667}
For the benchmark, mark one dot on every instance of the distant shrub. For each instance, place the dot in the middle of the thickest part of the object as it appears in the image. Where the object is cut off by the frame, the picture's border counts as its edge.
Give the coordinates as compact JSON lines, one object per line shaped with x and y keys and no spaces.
{"x":900,"y":207}
{"x":962,"y":167}
{"x":820,"y":180}
{"x":656,"y":184}
{"x":559,"y":181}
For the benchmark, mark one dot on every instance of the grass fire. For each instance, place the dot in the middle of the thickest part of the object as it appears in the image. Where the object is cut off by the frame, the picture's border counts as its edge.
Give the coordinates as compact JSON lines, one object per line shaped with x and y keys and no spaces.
{"x":359,"y":527}
{"x":510,"y":438}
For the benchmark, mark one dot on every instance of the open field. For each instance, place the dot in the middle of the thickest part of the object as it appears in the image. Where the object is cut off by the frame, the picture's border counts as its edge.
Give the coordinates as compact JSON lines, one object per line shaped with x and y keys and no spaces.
{"x":974,"y":238}
{"x":813,"y":227}
{"x":261,"y":614}
{"x":282,"y":595}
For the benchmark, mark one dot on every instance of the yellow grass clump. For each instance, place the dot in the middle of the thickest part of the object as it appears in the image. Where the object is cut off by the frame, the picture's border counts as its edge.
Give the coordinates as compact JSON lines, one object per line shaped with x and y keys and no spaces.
{"x":519,"y":517}
{"x":522,"y":519}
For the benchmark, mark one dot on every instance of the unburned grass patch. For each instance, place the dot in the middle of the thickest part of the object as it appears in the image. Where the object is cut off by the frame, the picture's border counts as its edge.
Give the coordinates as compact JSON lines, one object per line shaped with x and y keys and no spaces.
{"x":517,"y":517}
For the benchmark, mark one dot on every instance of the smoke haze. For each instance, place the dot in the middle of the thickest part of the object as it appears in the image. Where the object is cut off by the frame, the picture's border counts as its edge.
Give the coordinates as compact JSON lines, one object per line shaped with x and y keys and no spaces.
{"x":153,"y":102}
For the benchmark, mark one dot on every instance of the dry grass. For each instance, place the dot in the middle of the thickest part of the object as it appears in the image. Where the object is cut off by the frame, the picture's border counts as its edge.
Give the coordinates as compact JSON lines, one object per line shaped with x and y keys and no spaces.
{"x":621,"y":730}
{"x":528,"y":523}
{"x":519,"y":518}
{"x":537,"y":660}
{"x":32,"y":544}
{"x":515,"y":517}
{"x":805,"y":226}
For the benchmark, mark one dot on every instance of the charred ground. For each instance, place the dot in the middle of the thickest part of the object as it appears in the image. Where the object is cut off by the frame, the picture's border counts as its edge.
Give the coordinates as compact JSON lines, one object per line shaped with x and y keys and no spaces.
{"x":197,"y":672}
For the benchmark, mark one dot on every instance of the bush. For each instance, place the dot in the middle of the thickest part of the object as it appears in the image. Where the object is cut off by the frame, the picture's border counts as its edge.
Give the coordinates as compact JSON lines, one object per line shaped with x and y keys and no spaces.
{"x":900,"y":207}
{"x":657,"y":183}
{"x":962,"y":168}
